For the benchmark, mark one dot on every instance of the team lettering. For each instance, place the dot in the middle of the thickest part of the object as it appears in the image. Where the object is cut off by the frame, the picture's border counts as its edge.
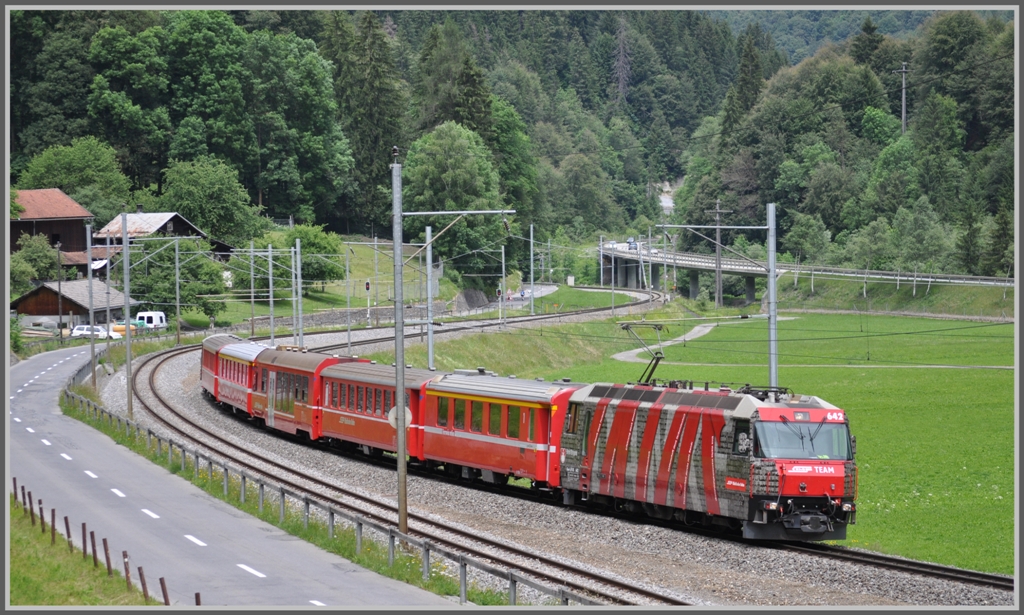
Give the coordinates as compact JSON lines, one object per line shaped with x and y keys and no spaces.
{"x":814,"y":469}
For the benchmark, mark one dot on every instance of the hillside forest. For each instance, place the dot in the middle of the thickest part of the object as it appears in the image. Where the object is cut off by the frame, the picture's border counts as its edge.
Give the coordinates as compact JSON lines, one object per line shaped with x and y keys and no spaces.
{"x":577,"y":120}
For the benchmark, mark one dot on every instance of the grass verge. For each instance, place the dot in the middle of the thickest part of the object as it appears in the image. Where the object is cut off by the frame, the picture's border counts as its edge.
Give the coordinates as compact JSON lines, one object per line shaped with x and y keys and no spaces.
{"x":46,"y":574}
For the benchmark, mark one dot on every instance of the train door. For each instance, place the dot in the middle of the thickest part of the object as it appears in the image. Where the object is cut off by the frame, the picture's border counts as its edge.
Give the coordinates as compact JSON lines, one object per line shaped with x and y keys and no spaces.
{"x":573,"y":436}
{"x":271,"y":395}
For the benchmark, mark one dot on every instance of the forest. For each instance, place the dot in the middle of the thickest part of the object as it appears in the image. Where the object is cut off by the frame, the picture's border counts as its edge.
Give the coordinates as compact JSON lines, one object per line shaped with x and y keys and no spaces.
{"x":574,"y":119}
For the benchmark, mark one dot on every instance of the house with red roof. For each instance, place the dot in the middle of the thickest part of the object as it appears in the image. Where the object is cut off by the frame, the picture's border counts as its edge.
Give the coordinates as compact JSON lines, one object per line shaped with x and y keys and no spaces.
{"x":53,"y":214}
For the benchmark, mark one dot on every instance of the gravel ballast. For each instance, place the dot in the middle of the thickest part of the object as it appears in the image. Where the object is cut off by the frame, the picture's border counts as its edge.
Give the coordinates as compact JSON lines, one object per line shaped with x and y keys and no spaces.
{"x":702,"y":570}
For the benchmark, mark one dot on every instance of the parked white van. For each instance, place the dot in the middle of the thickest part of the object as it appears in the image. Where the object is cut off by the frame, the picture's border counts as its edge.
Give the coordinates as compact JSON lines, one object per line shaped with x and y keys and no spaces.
{"x":153,"y":320}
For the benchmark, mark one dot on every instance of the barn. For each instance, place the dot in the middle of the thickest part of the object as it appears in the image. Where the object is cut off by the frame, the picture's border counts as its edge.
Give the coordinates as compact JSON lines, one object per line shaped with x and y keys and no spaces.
{"x":68,"y":303}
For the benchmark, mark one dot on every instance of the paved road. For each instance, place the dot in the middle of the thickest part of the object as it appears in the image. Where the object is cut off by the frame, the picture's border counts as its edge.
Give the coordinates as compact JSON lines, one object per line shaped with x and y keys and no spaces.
{"x":169,"y":527}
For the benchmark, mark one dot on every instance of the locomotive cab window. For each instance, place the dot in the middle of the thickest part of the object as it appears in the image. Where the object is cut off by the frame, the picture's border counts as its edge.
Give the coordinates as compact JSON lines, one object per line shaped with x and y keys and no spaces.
{"x":741,"y":440}
{"x":571,"y":417}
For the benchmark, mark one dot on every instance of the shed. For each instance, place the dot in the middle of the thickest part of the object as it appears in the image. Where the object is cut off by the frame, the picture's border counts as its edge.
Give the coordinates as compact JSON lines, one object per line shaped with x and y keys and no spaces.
{"x":42,"y":303}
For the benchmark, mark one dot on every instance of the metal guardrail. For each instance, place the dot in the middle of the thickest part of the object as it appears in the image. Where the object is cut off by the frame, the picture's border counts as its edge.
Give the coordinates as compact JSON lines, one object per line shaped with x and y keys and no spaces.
{"x":133,"y":429}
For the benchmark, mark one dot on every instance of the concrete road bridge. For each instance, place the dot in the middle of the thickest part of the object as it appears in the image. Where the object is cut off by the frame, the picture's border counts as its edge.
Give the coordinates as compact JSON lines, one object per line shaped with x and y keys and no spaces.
{"x":641,"y":267}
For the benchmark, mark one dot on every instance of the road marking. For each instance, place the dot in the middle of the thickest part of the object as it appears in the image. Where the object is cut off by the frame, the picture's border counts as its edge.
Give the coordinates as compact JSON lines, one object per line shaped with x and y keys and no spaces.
{"x":195,"y":540}
{"x":46,"y":442}
{"x":118,"y":493}
{"x":317,"y":603}
{"x":90,"y":474}
{"x":30,"y":430}
{"x":151,"y":513}
{"x":65,"y":456}
{"x":19,"y":390}
{"x":255,"y":572}
{"x":17,"y":420}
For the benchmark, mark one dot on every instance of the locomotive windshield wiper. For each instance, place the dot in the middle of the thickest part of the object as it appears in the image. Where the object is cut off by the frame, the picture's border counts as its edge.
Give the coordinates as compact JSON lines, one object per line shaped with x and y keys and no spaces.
{"x":816,"y":430}
{"x":799,"y":434}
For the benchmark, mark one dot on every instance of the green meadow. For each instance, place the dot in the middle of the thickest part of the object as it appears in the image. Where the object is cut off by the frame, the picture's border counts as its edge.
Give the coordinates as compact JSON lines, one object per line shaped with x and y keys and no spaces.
{"x":933,"y":414}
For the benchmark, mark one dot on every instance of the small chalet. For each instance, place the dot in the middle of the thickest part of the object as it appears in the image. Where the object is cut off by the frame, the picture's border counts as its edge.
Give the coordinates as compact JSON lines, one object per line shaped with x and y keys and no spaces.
{"x":53,"y":214}
{"x":71,"y":305}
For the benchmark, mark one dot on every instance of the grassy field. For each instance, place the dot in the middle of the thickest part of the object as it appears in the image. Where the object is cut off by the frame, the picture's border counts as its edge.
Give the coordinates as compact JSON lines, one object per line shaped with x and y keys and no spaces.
{"x":45,"y":574}
{"x":885,"y":297}
{"x":935,"y":444}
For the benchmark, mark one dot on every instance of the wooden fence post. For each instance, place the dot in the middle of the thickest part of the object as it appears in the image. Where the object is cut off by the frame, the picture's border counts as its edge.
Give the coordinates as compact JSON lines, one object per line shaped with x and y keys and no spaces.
{"x":127,"y":570}
{"x":142,"y":580}
{"x":106,"y":554}
{"x":163,"y":588}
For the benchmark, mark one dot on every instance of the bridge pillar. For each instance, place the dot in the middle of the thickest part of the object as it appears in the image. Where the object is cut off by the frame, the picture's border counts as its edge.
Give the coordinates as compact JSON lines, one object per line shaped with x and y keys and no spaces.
{"x":694,"y":284}
{"x":656,"y":276}
{"x":751,"y":293}
{"x":631,"y":276}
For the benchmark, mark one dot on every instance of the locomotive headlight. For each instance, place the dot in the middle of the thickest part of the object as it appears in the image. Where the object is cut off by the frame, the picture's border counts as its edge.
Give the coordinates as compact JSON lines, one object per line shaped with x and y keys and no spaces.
{"x":849,"y":507}
{"x":770,"y":505}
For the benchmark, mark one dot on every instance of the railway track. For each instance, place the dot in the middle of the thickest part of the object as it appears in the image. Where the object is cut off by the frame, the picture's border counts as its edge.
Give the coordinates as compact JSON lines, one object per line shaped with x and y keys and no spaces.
{"x":543,"y":569}
{"x":388,"y":515}
{"x":973,"y":577}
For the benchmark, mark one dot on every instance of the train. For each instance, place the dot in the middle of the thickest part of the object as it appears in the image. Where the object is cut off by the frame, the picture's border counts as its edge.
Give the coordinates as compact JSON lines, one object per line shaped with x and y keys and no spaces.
{"x":769,"y":463}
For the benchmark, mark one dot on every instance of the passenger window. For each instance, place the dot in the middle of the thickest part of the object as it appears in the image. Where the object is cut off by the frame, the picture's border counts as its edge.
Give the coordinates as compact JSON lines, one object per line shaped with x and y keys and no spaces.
{"x":532,"y":414}
{"x":341,"y":396}
{"x":460,"y":414}
{"x":494,"y":420}
{"x":359,"y":399}
{"x":387,"y":401}
{"x":377,"y":401}
{"x":334,"y":394}
{"x":477,"y":420}
{"x":442,"y":411}
{"x":513,"y":422}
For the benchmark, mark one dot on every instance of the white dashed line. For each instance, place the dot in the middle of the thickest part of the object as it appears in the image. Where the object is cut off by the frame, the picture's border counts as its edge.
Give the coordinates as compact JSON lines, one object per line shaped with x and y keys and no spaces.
{"x":195,"y":540}
{"x":118,"y":493}
{"x":90,"y":474}
{"x":65,"y":456}
{"x":151,"y":513}
{"x":17,"y":420}
{"x":255,"y":572}
{"x":46,"y":442}
{"x":30,"y":430}
{"x":19,"y":390}
{"x":317,"y":603}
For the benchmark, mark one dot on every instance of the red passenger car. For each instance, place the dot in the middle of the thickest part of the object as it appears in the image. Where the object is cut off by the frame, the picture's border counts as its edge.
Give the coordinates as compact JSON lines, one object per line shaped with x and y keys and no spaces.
{"x":209,"y":366}
{"x":493,"y":428}
{"x":356,"y":400}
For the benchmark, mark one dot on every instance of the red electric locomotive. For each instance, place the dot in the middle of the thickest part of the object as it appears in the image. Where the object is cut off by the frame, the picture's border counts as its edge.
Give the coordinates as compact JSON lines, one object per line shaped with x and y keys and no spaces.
{"x":779,"y":470}
{"x":210,"y":363}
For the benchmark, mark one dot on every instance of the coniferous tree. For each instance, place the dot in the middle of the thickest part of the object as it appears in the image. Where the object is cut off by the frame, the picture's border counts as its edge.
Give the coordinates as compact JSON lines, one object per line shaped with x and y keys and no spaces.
{"x":865,"y":43}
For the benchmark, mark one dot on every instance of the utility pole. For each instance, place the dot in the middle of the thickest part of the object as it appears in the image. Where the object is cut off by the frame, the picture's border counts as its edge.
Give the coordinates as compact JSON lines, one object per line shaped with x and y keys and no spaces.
{"x":502,"y":307}
{"x":127,"y":313}
{"x":773,"y":338}
{"x":718,"y":249}
{"x":298,"y":276}
{"x":252,"y":290}
{"x":904,"y":72}
{"x":110,"y":325}
{"x":650,"y":268}
{"x":551,"y":263}
{"x":291,"y":280}
{"x":270,"y":284}
{"x":600,"y":262}
{"x":376,"y":284}
{"x":348,"y":300}
{"x":400,"y":403}
{"x":430,"y":303}
{"x":92,"y":331}
{"x":613,"y":283}
{"x":60,"y":301}
{"x":531,"y":270}
{"x":177,"y":294}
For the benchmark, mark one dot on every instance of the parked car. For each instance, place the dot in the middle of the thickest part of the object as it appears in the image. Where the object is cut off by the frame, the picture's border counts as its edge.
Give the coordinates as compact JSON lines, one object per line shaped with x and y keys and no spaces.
{"x":153,"y":320}
{"x":87,"y":331}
